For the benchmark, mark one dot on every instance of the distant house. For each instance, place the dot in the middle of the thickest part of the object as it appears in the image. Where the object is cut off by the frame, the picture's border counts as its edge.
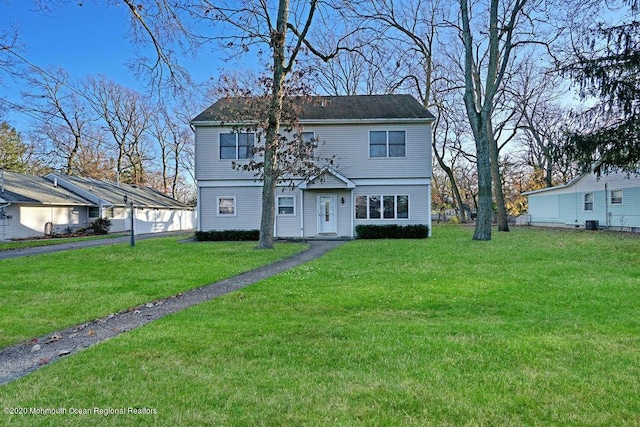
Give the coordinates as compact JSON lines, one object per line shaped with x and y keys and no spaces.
{"x":32,"y":206}
{"x":382,"y":171}
{"x":154,"y":212}
{"x":590,"y":201}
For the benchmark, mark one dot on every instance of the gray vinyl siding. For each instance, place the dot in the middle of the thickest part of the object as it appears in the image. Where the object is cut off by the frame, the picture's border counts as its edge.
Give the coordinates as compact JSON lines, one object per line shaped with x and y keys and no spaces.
{"x":347,"y":144}
{"x":350,"y":146}
{"x":288,"y":225}
{"x":208,"y":165}
{"x":248,"y":208}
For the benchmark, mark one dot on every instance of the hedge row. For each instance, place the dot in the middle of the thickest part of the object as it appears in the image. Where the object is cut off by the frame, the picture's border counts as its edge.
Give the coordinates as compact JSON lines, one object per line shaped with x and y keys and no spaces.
{"x":227,"y":235}
{"x":392,"y":231}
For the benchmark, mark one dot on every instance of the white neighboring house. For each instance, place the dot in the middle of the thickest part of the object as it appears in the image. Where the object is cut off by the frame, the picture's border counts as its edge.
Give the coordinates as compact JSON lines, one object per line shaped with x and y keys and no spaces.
{"x":590,"y":201}
{"x":382,"y":171}
{"x":154,"y":212}
{"x":30,"y":206}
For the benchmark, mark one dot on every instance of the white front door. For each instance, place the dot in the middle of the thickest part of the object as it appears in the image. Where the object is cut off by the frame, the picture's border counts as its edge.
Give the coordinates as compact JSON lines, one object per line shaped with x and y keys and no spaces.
{"x":327,"y":221}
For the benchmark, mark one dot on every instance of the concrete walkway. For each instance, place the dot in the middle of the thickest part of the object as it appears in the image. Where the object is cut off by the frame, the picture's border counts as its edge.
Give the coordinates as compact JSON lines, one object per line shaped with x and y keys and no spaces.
{"x":21,"y":359}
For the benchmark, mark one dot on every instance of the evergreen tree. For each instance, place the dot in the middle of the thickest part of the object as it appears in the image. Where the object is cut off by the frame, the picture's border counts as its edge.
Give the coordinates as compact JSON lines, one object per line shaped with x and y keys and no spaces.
{"x":611,"y":135}
{"x":12,"y":150}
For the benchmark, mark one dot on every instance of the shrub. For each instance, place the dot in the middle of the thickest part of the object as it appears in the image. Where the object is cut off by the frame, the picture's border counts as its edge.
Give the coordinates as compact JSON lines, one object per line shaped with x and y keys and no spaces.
{"x":227,"y":235}
{"x":100,"y":226}
{"x":392,"y":231}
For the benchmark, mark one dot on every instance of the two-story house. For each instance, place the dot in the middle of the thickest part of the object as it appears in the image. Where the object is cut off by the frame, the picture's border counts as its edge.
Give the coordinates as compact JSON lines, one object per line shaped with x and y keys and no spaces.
{"x":382,"y":171}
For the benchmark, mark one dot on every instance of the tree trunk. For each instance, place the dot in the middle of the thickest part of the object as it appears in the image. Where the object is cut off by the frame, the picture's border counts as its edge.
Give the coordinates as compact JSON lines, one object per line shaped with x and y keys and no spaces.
{"x":456,"y":191}
{"x":485,"y":205}
{"x":478,"y":115}
{"x":498,"y":194}
{"x":271,"y":175}
{"x":452,"y":181}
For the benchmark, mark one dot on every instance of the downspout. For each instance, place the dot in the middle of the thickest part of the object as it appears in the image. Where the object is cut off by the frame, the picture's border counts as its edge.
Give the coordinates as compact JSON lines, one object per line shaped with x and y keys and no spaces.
{"x":429,"y":208}
{"x":353,"y":213}
{"x":606,"y":205}
{"x":198,"y":205}
{"x":577,"y":202}
{"x":301,"y":213}
{"x":275,"y":224}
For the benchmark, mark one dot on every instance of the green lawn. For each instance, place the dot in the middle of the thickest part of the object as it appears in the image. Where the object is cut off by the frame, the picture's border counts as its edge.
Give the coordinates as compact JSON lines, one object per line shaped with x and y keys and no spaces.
{"x":533,"y":328}
{"x":41,"y":294}
{"x":21,"y":244}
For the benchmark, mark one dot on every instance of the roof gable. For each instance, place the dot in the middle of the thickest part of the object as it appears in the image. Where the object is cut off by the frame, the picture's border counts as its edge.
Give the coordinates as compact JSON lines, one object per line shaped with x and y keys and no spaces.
{"x":319,"y":180}
{"x":327,"y":108}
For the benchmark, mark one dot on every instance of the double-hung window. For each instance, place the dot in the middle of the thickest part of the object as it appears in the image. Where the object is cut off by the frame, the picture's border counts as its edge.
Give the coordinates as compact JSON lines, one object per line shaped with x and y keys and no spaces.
{"x":616,"y":197}
{"x":588,"y":201}
{"x":236,"y":145}
{"x":387,"y":143}
{"x":286,"y":205}
{"x":306,"y":145}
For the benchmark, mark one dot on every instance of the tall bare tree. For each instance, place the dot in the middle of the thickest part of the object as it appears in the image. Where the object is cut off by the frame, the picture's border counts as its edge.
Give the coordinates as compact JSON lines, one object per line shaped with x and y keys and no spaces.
{"x":61,"y":114}
{"x":282,"y":32}
{"x":536,"y":96}
{"x":125,"y":115}
{"x":485,"y":64}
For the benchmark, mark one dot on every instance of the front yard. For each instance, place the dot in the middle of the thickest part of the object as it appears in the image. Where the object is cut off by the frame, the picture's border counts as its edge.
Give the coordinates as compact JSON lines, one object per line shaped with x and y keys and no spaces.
{"x":534,"y":327}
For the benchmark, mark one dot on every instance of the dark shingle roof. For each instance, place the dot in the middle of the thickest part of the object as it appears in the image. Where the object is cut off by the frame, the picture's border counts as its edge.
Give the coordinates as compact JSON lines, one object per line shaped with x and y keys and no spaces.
{"x":356,"y":107}
{"x":114,"y":194}
{"x":23,"y":188}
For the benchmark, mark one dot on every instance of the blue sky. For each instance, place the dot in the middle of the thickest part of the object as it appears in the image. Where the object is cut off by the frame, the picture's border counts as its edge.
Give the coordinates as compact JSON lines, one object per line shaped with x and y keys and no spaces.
{"x":84,"y":40}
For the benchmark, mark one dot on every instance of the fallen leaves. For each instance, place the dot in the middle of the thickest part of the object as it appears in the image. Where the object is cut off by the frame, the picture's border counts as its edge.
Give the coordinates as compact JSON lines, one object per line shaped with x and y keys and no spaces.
{"x":55,"y":337}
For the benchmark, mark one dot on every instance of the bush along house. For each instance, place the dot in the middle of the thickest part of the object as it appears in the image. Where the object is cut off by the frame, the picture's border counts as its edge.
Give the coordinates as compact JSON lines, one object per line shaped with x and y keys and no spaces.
{"x":379,"y":173}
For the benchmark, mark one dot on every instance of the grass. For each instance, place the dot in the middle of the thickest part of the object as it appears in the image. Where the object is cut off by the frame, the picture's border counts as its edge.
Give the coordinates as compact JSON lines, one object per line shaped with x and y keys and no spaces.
{"x":21,"y":244}
{"x":536,"y":327}
{"x":41,"y":294}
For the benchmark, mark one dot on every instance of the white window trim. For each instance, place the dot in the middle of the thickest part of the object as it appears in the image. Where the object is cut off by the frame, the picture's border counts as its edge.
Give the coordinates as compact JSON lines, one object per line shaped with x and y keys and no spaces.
{"x":621,"y":198}
{"x":584,"y":201}
{"x":236,"y":134}
{"x":381,"y":197}
{"x":278,"y":206}
{"x":235,"y":208}
{"x":386,"y":131}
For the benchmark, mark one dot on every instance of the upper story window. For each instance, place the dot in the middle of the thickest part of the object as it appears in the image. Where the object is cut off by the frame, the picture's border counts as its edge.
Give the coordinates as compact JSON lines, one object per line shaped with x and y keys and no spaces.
{"x":616,"y":197}
{"x":588,"y":201}
{"x":306,"y":144}
{"x":387,"y":143}
{"x":236,"y":145}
